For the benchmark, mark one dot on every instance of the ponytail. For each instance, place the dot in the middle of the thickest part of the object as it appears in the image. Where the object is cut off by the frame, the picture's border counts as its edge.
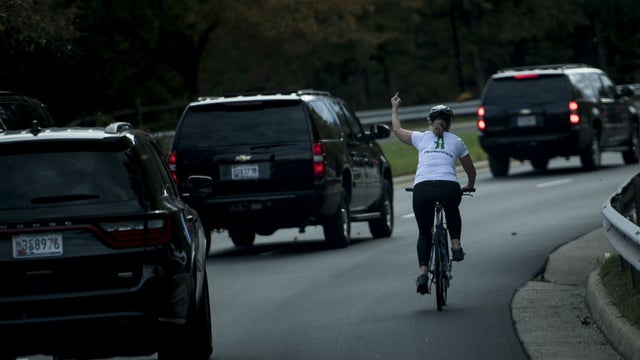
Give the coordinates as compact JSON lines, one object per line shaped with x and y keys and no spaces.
{"x":438,"y":127}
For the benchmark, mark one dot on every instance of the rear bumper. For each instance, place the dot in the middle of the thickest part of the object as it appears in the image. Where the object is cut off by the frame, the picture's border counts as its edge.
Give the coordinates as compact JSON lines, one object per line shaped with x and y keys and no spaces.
{"x":266,"y":211}
{"x":118,"y":321}
{"x":532,"y":146}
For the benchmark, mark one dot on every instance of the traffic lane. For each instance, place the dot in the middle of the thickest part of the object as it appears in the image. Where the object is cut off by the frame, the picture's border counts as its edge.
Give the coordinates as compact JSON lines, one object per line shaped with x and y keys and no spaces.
{"x":358,"y":302}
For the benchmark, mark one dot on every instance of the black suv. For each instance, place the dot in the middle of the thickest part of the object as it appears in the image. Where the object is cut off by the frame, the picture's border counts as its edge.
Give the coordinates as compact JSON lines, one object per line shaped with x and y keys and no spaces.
{"x":536,"y":113}
{"x":258,"y":163}
{"x":99,"y":255}
{"x":18,"y":111}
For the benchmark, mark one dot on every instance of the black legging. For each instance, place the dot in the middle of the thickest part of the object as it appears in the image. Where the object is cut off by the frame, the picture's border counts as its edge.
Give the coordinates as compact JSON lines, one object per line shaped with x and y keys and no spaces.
{"x":425,"y":194}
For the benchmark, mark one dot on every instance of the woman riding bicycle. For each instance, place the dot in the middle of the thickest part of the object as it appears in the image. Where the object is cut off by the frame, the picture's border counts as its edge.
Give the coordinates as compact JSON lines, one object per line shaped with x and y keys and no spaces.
{"x":436,"y":180}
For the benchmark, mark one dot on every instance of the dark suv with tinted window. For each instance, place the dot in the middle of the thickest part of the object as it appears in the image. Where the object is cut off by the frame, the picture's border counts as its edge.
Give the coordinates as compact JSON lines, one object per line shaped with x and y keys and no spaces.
{"x":18,"y":111}
{"x":254,"y":164}
{"x":99,"y":255}
{"x":536,"y":113}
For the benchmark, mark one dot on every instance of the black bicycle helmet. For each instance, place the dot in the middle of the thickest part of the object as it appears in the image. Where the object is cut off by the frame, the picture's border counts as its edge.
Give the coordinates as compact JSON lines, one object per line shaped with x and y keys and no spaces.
{"x":441,"y":111}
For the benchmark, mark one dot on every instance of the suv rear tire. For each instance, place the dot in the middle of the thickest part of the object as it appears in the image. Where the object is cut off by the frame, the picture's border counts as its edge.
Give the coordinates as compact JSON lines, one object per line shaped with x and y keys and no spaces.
{"x":591,"y":158}
{"x":337,"y":228}
{"x":195,"y":336}
{"x":632,"y":156}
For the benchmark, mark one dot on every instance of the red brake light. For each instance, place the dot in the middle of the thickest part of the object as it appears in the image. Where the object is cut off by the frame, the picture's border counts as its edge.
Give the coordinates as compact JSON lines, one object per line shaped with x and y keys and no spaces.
{"x":481,"y":124}
{"x":574,"y":117}
{"x":319,"y":161}
{"x":526,"y":76}
{"x":139,"y":232}
{"x":573,"y":106}
{"x":173,"y":160}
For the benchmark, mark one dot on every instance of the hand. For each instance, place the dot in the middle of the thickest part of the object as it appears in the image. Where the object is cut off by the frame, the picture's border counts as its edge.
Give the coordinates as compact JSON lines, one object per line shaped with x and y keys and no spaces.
{"x":395,"y":101}
{"x":468,"y":188}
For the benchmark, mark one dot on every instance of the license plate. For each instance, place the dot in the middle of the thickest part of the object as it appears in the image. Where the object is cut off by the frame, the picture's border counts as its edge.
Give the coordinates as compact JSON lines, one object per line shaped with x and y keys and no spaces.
{"x":244,"y":171}
{"x":37,"y":245}
{"x":528,"y":120}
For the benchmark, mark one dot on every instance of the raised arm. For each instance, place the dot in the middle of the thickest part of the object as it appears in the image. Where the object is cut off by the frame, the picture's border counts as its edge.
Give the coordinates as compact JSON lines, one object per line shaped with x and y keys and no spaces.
{"x":402,"y":134}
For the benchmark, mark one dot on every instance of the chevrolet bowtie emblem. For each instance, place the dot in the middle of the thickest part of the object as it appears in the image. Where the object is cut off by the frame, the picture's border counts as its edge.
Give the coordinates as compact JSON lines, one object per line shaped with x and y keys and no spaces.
{"x":243,"y":157}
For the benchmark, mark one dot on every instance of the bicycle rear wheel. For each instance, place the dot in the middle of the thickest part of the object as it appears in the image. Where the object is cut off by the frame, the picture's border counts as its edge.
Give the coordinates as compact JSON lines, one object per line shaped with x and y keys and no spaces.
{"x":439,"y":272}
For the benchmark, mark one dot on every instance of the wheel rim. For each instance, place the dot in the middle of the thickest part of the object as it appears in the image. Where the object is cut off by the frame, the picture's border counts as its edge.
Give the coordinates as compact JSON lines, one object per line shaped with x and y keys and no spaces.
{"x":635,"y":142}
{"x":387,"y":213}
{"x":346,"y":226}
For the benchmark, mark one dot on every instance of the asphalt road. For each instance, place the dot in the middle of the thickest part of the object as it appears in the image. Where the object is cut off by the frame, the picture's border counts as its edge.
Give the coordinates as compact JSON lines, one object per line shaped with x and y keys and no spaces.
{"x":290,"y":298}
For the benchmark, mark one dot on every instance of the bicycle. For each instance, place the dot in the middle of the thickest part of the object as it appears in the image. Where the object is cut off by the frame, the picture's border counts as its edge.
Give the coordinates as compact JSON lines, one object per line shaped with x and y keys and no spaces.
{"x":440,"y":264}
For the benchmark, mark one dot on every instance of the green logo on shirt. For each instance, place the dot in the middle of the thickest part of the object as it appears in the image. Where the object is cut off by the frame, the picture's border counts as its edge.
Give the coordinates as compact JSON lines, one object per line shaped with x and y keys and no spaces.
{"x":439,"y":143}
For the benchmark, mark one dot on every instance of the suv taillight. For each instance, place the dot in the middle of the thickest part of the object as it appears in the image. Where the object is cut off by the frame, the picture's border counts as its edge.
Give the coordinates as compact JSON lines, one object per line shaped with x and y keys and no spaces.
{"x":172,"y":160}
{"x":138,"y":232}
{"x":319,"y":160}
{"x":481,"y":124}
{"x":574,"y":117}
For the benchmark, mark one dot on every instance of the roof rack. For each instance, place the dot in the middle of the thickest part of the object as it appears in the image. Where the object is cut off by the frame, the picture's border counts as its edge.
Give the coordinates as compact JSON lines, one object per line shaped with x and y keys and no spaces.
{"x":546,"y":67}
{"x":267,"y":93}
{"x":313,"y":92}
{"x":117,"y":127}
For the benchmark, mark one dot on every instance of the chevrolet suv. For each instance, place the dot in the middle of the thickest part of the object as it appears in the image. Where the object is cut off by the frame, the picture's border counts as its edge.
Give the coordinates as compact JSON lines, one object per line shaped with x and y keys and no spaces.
{"x":536,"y":113}
{"x":253,"y":164}
{"x":99,"y":255}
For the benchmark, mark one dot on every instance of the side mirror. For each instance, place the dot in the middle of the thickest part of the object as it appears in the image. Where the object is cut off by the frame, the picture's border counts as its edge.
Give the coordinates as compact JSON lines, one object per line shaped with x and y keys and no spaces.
{"x":626,"y":90}
{"x":379,"y":131}
{"x":199,"y":186}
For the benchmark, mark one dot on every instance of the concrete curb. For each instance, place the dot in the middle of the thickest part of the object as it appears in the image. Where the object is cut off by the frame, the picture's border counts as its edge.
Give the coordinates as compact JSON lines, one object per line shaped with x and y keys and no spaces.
{"x":624,"y":337}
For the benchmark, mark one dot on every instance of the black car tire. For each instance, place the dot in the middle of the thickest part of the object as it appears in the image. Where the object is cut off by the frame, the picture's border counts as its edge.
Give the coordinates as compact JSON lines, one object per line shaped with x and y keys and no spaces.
{"x":591,"y":157}
{"x":499,"y":165}
{"x":383,"y":226}
{"x":192,"y":341}
{"x":242,"y":237}
{"x":632,"y":156}
{"x":337,"y":228}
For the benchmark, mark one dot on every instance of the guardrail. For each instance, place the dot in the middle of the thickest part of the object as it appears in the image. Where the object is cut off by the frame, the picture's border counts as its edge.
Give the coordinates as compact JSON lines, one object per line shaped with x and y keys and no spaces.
{"x":382,"y":116}
{"x":620,"y":218}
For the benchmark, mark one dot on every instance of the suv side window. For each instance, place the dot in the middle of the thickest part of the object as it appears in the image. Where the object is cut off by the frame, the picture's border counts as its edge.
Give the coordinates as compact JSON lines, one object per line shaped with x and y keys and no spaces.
{"x":584,"y":86}
{"x":153,"y":163}
{"x":325,"y":120}
{"x":351,"y":119}
{"x":608,"y":89}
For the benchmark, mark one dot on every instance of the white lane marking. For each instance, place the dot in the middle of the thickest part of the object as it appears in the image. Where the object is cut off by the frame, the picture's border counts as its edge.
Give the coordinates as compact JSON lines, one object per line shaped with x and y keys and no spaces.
{"x":554,"y":183}
{"x":408,"y":216}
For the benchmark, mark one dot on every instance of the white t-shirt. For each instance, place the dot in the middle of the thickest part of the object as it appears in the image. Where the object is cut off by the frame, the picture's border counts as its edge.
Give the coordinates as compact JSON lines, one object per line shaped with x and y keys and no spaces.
{"x":437,"y":157}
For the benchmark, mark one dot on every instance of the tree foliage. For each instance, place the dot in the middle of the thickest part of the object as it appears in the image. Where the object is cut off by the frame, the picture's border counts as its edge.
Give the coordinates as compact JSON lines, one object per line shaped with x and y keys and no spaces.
{"x":84,"y":57}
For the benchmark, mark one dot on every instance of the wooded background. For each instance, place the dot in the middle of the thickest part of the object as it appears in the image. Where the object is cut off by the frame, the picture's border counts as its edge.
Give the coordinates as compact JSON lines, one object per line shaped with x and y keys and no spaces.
{"x":90,"y":57}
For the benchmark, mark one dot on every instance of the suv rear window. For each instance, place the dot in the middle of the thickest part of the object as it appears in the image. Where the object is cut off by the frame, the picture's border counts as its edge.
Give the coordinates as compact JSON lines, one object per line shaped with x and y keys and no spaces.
{"x":246,"y":123}
{"x":535,"y":90}
{"x":65,"y":178}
